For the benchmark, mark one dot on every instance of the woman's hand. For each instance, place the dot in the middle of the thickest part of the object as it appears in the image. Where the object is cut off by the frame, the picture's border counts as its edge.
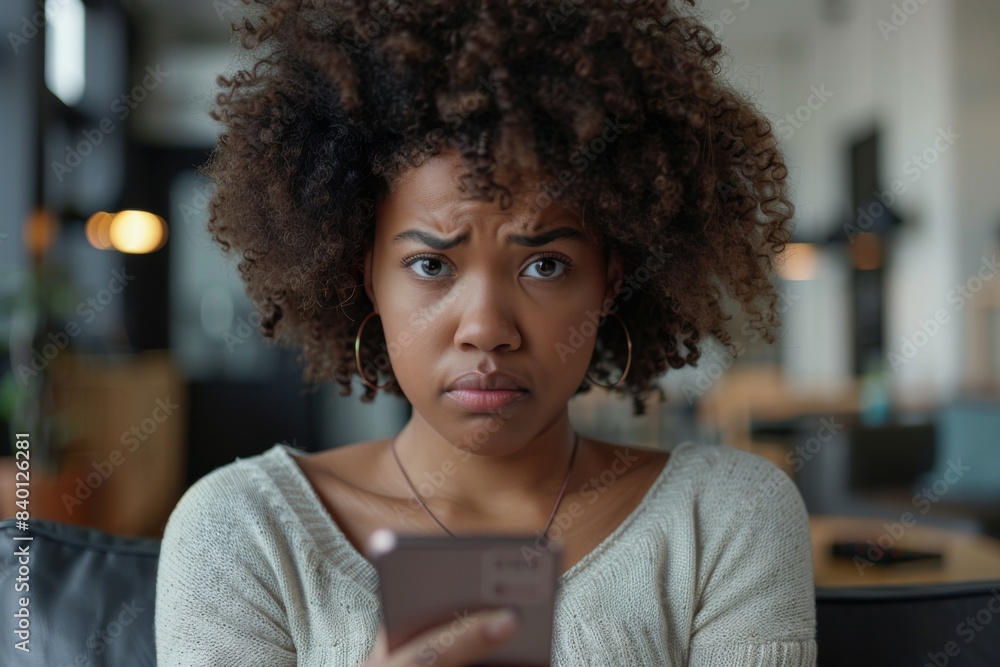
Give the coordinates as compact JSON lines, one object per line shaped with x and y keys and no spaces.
{"x":468,"y":639}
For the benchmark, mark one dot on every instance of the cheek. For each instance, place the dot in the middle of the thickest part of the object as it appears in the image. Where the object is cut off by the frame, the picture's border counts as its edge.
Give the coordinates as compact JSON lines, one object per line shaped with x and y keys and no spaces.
{"x":414,"y":336}
{"x":568,"y":341}
{"x":575,"y":307}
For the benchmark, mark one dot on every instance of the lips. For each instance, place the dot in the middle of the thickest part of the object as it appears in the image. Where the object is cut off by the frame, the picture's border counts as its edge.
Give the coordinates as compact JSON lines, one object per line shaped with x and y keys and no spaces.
{"x":486,"y":401}
{"x":487,"y":382}
{"x":486,"y":392}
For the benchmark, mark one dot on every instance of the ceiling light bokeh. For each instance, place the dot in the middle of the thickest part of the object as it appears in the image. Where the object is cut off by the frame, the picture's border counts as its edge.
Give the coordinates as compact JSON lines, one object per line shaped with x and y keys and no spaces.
{"x":137,"y":232}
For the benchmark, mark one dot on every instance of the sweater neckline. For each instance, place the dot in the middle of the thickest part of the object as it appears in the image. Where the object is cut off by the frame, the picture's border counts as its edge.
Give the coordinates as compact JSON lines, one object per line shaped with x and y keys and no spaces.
{"x":333,"y":542}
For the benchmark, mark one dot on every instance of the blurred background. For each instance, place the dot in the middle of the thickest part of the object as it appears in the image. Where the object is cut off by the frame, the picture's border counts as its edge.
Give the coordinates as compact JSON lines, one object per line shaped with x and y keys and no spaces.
{"x":131,"y":358}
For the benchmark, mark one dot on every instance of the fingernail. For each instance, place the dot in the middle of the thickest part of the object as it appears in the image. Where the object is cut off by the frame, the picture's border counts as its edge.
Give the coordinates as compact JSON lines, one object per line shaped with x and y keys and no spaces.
{"x":501,"y":624}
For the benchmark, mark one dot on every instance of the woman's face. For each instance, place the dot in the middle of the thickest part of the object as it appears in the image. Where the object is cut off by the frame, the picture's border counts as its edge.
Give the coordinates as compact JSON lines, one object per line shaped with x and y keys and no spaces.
{"x":462,"y":286}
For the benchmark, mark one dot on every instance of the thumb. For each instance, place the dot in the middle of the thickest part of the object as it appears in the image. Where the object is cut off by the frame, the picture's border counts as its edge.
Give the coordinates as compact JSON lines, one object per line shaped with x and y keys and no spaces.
{"x":460,"y":643}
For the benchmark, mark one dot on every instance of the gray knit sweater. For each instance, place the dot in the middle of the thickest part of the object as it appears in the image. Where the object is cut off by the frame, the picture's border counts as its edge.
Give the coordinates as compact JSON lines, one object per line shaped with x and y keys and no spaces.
{"x":713,"y":568}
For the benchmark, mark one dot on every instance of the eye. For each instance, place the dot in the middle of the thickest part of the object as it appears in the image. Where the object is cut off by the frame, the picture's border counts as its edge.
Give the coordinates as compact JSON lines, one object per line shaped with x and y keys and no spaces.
{"x":428,"y":263}
{"x":429,"y":267}
{"x":547,"y":260}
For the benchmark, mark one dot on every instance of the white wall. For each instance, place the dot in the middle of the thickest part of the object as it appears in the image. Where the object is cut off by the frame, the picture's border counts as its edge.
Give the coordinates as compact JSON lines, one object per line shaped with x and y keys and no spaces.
{"x":977,"y":90}
{"x":904,"y":80}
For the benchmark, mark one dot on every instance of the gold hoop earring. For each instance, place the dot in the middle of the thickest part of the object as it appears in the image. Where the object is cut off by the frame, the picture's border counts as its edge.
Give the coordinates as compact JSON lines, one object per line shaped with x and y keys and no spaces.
{"x":357,"y":355}
{"x":628,"y":363}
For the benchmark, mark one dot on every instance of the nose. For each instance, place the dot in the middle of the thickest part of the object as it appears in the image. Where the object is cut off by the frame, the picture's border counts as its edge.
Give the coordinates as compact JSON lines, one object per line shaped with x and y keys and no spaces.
{"x":487,"y":321}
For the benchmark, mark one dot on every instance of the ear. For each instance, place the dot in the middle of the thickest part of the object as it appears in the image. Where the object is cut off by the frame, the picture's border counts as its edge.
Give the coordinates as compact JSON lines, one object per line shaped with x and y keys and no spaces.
{"x":369,"y":252}
{"x":615,"y":275}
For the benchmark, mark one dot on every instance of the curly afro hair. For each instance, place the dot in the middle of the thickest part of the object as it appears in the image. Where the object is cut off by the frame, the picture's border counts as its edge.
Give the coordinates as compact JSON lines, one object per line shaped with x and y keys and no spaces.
{"x":341,"y":96}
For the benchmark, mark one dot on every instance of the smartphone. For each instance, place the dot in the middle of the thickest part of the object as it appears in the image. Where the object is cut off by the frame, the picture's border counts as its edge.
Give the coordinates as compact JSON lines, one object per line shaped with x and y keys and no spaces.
{"x":427,"y":580}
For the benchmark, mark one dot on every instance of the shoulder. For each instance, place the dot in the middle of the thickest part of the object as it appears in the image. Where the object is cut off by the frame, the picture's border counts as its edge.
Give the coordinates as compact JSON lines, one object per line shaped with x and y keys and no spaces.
{"x":727,"y":491}
{"x":723,"y":472}
{"x":239,"y":492}
{"x":747,"y":509}
{"x":227,"y":561}
{"x":755,"y":578}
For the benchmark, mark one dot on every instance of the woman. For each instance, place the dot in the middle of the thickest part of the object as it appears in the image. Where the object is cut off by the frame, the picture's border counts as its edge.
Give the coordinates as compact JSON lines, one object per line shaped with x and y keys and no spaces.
{"x":487,"y":208}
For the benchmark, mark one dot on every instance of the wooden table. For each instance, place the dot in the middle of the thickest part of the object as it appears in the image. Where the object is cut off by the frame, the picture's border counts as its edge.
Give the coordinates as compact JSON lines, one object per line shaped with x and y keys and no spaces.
{"x":965,"y":556}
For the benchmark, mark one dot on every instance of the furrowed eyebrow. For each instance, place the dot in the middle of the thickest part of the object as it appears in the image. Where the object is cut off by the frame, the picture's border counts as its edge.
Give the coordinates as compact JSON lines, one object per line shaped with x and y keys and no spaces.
{"x":544,"y":238}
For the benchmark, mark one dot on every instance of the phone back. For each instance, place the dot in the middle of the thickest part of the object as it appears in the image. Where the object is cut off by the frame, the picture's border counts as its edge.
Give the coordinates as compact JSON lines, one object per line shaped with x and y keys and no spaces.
{"x":426,"y":580}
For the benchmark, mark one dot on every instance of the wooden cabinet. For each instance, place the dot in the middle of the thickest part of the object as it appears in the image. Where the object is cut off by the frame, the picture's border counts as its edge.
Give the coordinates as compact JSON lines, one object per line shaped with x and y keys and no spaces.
{"x":121,"y":422}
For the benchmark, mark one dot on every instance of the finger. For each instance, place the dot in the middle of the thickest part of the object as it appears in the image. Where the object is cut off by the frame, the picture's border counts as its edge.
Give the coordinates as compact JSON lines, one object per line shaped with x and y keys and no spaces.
{"x":381,"y":650}
{"x":459,"y":642}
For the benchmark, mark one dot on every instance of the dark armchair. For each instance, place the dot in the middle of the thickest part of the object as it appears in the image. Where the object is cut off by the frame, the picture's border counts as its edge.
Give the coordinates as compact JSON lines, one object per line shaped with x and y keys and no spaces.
{"x":922,"y":625}
{"x":90,"y":596}
{"x":91,"y":603}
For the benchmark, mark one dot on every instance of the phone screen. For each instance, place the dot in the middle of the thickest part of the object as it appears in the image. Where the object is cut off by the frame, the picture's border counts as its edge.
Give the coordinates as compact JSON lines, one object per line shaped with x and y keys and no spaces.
{"x":426,"y":581}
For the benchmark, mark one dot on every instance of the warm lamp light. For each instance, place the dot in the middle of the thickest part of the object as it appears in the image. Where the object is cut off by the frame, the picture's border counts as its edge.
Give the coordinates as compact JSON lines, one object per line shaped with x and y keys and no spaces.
{"x":799,"y":262}
{"x":866,"y":251}
{"x":98,"y":230}
{"x":40,"y":230}
{"x":137,"y":232}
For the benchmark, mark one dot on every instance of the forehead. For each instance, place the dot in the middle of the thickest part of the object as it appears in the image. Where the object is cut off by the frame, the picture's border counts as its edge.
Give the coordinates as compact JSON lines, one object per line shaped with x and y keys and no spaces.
{"x":431,"y":194}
